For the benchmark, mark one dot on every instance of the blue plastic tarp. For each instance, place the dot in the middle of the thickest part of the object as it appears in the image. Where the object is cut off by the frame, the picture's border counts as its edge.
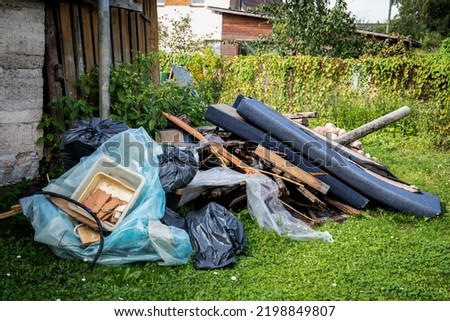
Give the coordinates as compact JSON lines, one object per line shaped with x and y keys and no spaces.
{"x":140,"y":236}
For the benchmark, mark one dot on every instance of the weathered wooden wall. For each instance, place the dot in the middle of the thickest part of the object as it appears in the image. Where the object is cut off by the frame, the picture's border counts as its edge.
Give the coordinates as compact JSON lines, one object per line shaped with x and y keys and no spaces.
{"x":244,"y":28}
{"x":241,"y":28}
{"x":72,"y":39}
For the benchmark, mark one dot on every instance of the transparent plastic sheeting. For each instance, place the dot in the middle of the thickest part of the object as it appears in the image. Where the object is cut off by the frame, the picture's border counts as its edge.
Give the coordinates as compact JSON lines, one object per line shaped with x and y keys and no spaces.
{"x":262,"y":202}
{"x":140,"y":236}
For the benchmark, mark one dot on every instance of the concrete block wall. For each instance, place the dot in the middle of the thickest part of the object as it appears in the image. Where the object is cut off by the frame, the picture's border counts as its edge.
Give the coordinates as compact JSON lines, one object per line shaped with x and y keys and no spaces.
{"x":22,"y":45}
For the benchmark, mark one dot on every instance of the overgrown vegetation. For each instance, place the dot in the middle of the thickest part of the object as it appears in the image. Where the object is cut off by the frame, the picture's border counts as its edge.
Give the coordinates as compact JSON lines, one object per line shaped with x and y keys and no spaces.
{"x":348,"y":92}
{"x":427,"y":21}
{"x":135,"y":99}
{"x":309,"y":27}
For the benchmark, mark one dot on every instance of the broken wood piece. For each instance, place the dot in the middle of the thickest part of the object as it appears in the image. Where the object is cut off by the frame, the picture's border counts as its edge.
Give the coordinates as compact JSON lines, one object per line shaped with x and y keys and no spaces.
{"x":220,"y":191}
{"x":297,"y":211}
{"x":238,"y":200}
{"x":63,"y":205}
{"x":282,"y":189}
{"x":216,"y":149}
{"x":310,"y":196}
{"x":89,"y":202}
{"x":345,"y":208}
{"x":305,"y":114}
{"x":243,"y":167}
{"x":291,"y":169}
{"x":87,"y":235}
{"x":15,"y":209}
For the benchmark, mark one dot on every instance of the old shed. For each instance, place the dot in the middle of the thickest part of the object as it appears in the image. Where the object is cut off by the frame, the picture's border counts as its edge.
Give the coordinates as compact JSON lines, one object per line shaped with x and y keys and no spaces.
{"x":45,"y":46}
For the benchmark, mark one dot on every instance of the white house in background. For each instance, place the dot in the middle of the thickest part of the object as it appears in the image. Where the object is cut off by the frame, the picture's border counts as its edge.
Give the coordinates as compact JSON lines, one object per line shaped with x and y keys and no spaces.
{"x":218,"y":20}
{"x":204,"y":22}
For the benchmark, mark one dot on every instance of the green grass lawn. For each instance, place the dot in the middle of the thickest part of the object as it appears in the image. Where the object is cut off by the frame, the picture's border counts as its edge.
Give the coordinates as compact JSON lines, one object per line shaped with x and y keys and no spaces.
{"x":379,"y":255}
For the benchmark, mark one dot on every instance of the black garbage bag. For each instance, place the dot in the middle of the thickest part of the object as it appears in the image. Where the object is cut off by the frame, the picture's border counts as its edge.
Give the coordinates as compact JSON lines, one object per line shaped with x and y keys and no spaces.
{"x":85,"y":136}
{"x":177,"y":167}
{"x":217,"y":236}
{"x":171,"y":218}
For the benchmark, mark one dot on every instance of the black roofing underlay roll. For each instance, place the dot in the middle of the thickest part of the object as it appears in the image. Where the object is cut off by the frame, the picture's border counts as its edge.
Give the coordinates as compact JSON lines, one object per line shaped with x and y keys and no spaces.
{"x":317,"y":152}
{"x":227,"y":118}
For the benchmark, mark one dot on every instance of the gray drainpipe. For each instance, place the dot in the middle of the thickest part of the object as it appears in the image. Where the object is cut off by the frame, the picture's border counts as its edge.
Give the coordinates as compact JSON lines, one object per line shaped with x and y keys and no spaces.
{"x":104,"y":57}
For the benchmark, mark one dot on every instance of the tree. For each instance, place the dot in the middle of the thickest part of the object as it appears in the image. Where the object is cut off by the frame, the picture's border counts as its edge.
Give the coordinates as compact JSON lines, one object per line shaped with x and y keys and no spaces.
{"x":423,"y":20}
{"x":309,"y":27}
{"x":177,"y":36}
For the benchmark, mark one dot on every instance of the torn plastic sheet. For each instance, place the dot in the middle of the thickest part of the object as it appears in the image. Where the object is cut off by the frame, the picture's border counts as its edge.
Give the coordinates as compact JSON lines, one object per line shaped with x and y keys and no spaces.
{"x":138,"y":237}
{"x":262,"y":202}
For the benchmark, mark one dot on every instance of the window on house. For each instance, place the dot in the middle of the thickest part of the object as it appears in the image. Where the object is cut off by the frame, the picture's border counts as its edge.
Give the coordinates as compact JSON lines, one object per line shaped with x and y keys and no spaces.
{"x":197,"y":2}
{"x":161,"y":2}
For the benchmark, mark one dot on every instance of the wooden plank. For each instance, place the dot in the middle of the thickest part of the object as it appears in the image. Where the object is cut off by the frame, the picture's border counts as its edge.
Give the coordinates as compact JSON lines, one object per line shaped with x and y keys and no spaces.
{"x":66,"y":41}
{"x":153,"y":36}
{"x":306,"y":114}
{"x":347,"y":209}
{"x":291,"y":169}
{"x":88,"y":44}
{"x":140,"y":30}
{"x":310,"y":196}
{"x":54,"y":89}
{"x":15,"y":209}
{"x":297,"y":211}
{"x":87,"y":235}
{"x":77,"y":38}
{"x":63,"y":205}
{"x":133,"y":35}
{"x":216,"y":149}
{"x":128,"y":5}
{"x":125,"y":35}
{"x":115,"y":36}
{"x":94,"y":19}
{"x":147,"y":23}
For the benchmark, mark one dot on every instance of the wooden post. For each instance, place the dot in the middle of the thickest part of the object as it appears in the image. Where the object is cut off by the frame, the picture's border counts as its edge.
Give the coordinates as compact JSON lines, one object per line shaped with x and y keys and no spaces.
{"x":104,"y":52}
{"x":374,"y":125}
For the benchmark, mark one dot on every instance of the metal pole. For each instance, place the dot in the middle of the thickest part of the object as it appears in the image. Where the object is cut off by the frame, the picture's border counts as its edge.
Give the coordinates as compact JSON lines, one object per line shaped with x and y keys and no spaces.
{"x":374,"y":125}
{"x":104,"y":57}
{"x":389,"y":17}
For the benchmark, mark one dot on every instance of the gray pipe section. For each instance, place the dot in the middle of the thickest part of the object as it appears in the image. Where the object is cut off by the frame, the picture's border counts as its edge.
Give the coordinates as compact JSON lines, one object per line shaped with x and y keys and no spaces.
{"x":104,"y":57}
{"x":374,"y":125}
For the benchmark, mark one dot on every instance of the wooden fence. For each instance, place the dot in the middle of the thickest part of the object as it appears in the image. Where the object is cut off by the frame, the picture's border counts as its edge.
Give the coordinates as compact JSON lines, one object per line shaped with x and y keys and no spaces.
{"x":72,"y":39}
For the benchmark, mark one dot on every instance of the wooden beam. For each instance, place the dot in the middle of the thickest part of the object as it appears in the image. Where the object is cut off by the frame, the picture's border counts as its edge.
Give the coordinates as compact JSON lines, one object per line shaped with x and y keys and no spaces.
{"x":124,"y":4}
{"x":347,"y":209}
{"x":306,"y":114}
{"x":15,"y":209}
{"x":216,"y":149}
{"x":291,"y":169}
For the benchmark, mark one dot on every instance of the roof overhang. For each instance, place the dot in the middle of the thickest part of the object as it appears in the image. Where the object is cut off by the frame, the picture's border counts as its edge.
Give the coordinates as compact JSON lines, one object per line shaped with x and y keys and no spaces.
{"x":234,"y":12}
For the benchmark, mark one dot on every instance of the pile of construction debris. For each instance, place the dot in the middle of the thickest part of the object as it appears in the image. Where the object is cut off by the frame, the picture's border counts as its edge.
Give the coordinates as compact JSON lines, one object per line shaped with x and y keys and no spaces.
{"x":301,"y":193}
{"x":290,"y":182}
